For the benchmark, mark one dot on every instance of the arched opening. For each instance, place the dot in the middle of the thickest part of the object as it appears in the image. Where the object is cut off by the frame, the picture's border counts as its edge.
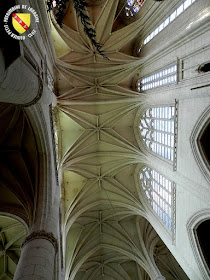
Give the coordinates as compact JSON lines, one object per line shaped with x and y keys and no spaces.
{"x":200,"y":143}
{"x":198,"y":228}
{"x":202,"y":234}
{"x":203,"y":142}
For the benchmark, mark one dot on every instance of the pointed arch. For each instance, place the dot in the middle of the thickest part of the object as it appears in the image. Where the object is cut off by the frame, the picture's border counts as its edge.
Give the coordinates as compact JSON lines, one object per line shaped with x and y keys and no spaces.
{"x":192,"y":225}
{"x":198,"y":139}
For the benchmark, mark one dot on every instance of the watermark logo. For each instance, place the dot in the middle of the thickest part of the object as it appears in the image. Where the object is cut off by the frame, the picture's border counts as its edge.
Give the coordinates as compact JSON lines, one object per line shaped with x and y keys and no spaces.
{"x":20,"y":21}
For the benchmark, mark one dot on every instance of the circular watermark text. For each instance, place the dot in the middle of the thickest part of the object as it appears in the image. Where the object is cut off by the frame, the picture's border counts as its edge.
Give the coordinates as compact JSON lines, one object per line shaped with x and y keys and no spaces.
{"x":20,"y":21}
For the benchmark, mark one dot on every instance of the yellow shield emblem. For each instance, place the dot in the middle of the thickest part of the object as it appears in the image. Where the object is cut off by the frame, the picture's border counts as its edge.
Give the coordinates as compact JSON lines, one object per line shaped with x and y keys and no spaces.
{"x":21,"y":22}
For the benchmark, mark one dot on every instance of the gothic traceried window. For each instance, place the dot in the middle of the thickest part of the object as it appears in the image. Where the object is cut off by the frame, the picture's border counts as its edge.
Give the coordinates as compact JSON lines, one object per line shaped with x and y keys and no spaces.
{"x":160,"y":193}
{"x":133,"y":6}
{"x":157,"y":130}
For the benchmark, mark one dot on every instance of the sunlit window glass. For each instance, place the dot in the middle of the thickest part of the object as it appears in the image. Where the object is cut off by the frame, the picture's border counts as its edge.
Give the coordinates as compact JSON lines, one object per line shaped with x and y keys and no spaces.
{"x":164,"y":77}
{"x":159,"y":193}
{"x":157,"y":130}
{"x":169,"y":19}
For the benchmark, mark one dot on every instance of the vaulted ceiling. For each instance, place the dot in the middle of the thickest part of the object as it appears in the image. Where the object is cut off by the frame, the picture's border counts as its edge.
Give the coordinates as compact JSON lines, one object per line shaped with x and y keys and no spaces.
{"x":18,"y":183}
{"x":104,"y":221}
{"x":18,"y":163}
{"x":12,"y":234}
{"x":107,"y":236}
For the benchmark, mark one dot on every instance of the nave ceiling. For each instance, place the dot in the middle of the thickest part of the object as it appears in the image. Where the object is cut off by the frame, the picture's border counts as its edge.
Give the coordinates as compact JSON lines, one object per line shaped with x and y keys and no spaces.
{"x":104,"y":220}
{"x":108,"y":236}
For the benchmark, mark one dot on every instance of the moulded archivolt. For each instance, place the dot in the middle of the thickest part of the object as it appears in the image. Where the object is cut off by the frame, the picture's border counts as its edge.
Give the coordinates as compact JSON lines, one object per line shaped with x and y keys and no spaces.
{"x":200,"y":127}
{"x":192,"y":226}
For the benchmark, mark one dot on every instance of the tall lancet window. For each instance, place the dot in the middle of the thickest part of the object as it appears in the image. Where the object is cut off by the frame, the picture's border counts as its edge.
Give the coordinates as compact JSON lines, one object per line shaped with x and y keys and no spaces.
{"x":160,"y":193}
{"x":133,"y":6}
{"x":157,"y":130}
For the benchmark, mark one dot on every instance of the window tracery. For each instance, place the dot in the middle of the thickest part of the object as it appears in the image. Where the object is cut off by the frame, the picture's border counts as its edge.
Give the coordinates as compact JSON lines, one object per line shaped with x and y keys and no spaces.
{"x":133,"y":6}
{"x":160,"y":193}
{"x":157,"y":130}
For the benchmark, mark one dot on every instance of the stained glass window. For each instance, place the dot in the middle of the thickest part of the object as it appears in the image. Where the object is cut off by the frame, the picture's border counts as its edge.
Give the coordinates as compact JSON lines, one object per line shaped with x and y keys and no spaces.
{"x":157,"y":130}
{"x":133,"y":6}
{"x":160,"y":194}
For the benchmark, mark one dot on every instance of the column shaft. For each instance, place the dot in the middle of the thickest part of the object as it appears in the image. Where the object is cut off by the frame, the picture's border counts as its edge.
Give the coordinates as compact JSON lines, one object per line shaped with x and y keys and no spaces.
{"x":36,"y":261}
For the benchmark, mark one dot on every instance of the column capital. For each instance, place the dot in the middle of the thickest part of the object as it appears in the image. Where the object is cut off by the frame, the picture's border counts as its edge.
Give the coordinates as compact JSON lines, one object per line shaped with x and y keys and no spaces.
{"x":41,"y":234}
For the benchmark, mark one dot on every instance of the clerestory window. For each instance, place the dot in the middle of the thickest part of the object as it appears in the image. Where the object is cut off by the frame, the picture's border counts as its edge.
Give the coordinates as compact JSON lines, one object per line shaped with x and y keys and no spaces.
{"x":160,"y":193}
{"x":157,"y":130}
{"x":158,"y":79}
{"x":169,"y":19}
{"x":133,"y":6}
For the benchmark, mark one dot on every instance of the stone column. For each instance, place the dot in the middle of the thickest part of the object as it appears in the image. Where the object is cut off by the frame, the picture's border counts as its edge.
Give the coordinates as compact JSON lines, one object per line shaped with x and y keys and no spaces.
{"x":37,"y":257}
{"x":41,"y":249}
